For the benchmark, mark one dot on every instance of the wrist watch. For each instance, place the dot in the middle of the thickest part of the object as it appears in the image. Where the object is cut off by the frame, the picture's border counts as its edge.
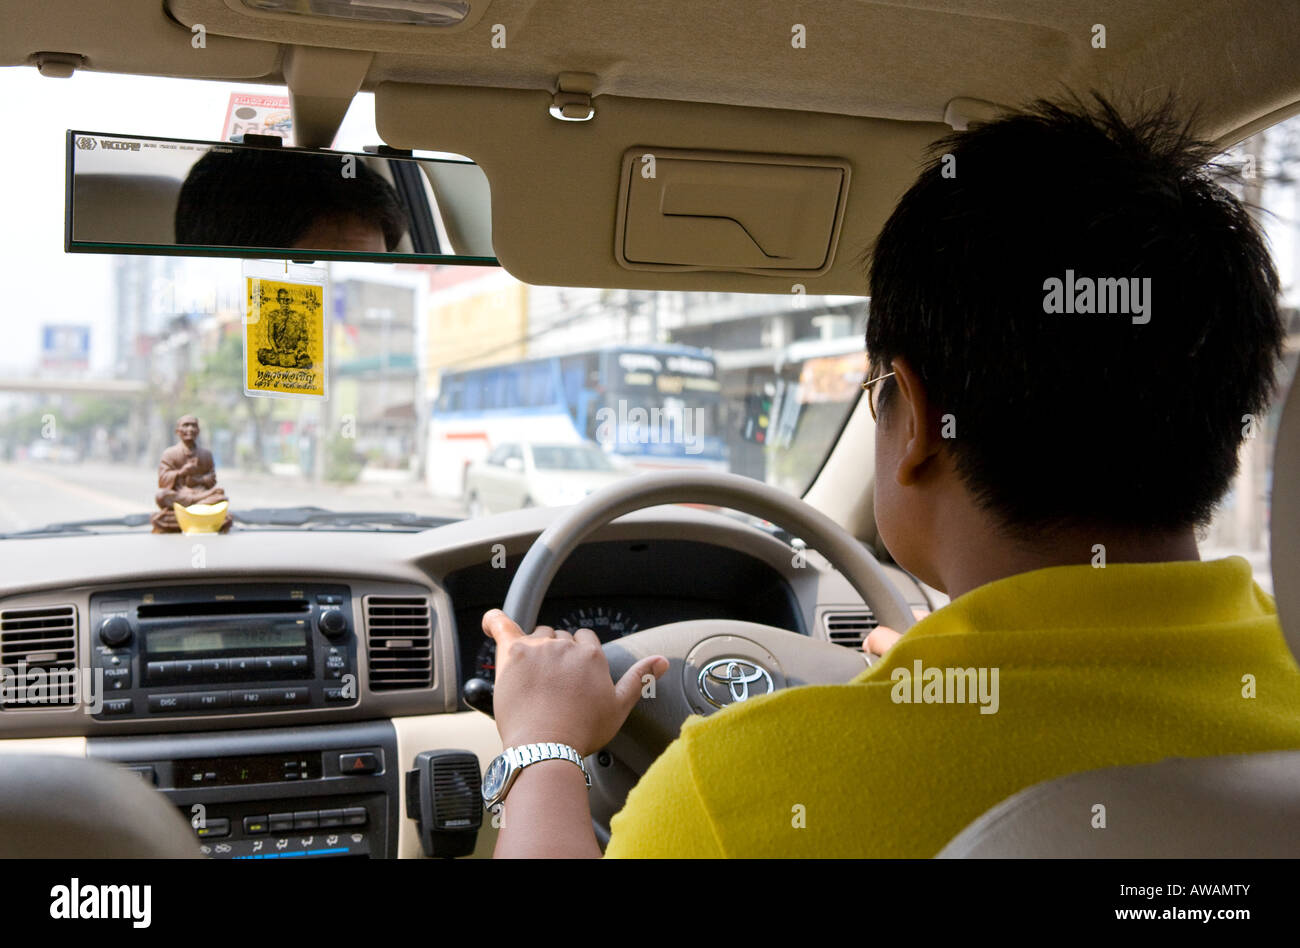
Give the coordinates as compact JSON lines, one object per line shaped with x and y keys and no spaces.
{"x":505,"y":767}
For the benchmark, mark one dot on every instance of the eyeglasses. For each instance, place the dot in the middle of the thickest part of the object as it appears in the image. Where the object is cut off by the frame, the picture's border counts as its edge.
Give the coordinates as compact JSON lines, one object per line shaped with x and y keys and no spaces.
{"x":866,"y":387}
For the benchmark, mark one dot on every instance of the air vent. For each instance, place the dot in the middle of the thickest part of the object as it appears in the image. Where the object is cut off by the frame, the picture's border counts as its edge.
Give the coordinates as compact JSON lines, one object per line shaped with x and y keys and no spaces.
{"x":399,"y":642}
{"x":43,"y":638}
{"x":849,"y":628}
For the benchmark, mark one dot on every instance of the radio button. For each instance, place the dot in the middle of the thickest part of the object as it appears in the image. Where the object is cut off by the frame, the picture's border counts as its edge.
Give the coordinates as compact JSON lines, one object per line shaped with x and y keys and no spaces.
{"x":240,"y":665}
{"x":118,"y":706}
{"x":280,"y":663}
{"x":209,"y":700}
{"x":291,"y":696}
{"x":185,"y":669}
{"x":297,"y":663}
{"x":158,"y":669}
{"x":266,"y":664}
{"x":249,"y":698}
{"x":215,"y":666}
{"x":162,"y":704}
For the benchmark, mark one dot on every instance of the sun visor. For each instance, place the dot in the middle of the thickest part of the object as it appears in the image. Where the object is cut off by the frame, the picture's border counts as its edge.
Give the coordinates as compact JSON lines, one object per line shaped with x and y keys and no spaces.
{"x":745,"y":213}
{"x":657,"y":195}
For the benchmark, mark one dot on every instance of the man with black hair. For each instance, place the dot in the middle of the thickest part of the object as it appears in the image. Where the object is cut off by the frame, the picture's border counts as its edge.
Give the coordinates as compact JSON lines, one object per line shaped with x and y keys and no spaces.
{"x":261,"y":197}
{"x":1072,"y":326}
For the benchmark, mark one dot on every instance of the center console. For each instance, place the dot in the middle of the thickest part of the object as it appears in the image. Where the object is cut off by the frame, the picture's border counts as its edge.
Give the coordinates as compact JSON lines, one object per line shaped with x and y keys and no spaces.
{"x":278,"y":793}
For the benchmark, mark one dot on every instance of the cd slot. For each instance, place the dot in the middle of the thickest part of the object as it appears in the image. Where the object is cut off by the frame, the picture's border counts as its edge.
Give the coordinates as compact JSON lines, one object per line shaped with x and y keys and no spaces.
{"x":192,"y":610}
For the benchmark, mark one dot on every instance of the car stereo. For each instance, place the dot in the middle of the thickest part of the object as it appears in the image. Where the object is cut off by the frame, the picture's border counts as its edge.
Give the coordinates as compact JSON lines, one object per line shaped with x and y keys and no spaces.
{"x":196,"y":650}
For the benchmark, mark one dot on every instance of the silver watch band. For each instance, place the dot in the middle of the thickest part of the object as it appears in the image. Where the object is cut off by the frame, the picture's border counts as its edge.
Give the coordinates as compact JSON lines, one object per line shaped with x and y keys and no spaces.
{"x":526,"y":754}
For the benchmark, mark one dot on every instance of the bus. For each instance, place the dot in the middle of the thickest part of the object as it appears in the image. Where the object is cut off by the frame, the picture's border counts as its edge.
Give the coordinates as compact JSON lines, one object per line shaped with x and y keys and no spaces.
{"x":647,"y":406}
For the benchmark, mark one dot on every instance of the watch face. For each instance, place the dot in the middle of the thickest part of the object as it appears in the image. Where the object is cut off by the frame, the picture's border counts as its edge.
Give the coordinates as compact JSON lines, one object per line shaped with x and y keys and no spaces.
{"x":494,"y":778}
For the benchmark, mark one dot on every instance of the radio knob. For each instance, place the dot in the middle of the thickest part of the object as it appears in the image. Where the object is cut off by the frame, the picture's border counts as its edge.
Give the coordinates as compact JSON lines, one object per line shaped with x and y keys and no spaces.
{"x":333,"y":623}
{"x":115,"y":631}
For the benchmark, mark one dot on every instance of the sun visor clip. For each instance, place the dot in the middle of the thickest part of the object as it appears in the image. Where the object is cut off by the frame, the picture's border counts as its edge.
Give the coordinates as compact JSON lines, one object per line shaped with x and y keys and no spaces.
{"x":53,"y":65}
{"x":571,"y":101}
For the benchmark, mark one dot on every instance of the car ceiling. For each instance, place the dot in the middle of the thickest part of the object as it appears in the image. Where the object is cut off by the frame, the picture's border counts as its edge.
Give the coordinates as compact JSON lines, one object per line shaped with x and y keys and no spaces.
{"x":720,"y":76}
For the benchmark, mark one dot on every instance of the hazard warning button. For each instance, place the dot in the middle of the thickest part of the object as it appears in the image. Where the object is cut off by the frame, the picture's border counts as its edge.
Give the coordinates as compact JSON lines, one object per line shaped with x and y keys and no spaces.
{"x":358,"y":764}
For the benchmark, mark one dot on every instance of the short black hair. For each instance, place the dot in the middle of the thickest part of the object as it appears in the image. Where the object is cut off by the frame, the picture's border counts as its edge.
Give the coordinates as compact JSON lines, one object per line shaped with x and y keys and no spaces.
{"x":1063,"y":419}
{"x":262,"y":197}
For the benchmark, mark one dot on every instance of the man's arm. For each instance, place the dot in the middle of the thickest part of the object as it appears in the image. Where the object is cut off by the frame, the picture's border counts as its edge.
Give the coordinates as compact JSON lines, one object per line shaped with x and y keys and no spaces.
{"x":555,"y":686}
{"x":547,"y":815}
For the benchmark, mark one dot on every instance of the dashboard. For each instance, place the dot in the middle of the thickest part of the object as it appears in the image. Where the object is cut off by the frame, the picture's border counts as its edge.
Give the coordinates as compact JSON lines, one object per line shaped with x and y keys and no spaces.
{"x":618,"y":588}
{"x":301,"y":694}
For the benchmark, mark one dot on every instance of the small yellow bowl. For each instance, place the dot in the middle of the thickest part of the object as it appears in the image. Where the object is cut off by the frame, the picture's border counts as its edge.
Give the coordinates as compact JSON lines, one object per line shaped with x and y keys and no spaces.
{"x":201,"y":518}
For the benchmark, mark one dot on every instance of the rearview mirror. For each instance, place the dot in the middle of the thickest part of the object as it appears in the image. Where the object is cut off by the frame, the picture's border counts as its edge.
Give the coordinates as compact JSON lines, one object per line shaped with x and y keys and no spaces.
{"x":175,"y":197}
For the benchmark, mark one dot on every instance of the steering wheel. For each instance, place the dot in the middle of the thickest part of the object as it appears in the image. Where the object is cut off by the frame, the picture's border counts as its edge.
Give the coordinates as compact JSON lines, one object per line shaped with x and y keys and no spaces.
{"x":712,"y":662}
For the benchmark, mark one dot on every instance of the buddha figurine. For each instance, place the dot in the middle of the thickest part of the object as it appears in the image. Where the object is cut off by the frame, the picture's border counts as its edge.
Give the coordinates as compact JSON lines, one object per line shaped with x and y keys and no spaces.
{"x":186,"y":476}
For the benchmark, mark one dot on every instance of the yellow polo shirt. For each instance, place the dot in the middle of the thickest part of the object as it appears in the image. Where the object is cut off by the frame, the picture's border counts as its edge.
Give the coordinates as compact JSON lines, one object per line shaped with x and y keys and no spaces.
{"x":1095,"y":667}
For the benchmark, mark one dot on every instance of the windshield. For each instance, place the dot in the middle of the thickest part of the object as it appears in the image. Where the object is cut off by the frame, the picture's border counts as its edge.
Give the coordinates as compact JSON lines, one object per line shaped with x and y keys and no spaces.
{"x":425,"y":370}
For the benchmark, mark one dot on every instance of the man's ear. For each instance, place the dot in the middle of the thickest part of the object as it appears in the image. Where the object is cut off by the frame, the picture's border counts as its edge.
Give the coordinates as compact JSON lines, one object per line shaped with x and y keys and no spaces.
{"x":912,"y":414}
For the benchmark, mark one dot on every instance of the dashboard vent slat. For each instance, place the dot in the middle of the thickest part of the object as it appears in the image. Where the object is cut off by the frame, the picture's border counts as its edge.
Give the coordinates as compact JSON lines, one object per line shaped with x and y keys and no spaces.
{"x":850,"y":627}
{"x":399,"y":642}
{"x":42,"y":638}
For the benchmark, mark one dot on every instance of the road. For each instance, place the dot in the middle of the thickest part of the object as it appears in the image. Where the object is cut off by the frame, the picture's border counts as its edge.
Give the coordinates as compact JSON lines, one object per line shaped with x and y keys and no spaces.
{"x":36,"y":493}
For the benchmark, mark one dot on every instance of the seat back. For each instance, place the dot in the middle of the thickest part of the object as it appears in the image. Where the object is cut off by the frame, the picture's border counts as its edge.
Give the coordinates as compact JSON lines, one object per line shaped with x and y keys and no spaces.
{"x":1239,"y":807}
{"x":59,"y":807}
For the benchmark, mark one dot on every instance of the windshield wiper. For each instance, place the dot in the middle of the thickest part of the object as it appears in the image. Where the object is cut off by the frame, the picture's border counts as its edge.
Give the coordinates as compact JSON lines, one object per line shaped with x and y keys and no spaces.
{"x":80,"y":526}
{"x":318,"y":518}
{"x":306,"y":518}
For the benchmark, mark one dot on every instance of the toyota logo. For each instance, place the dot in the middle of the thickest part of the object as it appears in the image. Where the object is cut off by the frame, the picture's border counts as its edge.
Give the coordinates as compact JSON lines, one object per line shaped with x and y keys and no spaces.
{"x":86,"y":143}
{"x":725,"y":681}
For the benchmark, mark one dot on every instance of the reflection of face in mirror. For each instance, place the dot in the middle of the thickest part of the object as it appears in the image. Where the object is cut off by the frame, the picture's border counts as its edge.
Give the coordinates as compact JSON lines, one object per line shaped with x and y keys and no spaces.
{"x":266,"y":198}
{"x":343,"y":233}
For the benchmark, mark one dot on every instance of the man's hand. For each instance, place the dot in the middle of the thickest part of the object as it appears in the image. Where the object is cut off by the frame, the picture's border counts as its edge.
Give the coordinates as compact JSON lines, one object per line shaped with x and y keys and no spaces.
{"x":555,"y":686}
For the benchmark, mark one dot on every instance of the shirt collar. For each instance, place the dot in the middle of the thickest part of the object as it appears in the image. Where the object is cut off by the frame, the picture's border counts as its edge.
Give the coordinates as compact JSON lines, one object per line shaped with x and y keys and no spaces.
{"x":1115,"y":596}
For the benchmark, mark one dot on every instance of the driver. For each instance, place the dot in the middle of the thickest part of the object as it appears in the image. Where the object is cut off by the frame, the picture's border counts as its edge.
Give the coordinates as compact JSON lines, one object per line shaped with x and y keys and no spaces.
{"x":1073,"y":328}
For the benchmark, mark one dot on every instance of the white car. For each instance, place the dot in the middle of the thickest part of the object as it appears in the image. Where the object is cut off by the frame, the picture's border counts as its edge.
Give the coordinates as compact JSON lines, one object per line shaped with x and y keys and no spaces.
{"x":520,"y":474}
